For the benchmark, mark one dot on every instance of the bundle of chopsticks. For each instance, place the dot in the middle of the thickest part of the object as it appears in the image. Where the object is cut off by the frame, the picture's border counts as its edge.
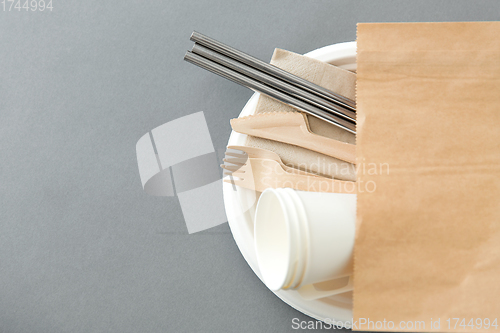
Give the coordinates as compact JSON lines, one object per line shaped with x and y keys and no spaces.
{"x":272,"y":81}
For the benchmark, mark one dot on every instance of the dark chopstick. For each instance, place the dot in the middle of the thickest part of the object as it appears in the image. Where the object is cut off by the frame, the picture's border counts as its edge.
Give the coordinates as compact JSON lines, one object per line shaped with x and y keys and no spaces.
{"x":258,"y":86}
{"x":274,"y":82}
{"x":272,"y":70}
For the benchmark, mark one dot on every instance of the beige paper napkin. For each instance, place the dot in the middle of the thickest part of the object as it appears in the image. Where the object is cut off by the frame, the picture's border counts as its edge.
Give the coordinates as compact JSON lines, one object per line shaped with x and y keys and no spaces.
{"x":336,"y":79}
{"x":428,"y":242}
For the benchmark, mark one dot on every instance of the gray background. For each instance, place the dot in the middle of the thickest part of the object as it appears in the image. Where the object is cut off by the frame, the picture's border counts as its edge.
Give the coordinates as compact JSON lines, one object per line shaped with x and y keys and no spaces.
{"x":82,"y":247}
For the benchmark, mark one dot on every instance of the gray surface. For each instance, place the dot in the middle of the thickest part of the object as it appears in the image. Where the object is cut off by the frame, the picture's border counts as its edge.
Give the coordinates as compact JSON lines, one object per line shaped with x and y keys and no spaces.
{"x":82,"y":247}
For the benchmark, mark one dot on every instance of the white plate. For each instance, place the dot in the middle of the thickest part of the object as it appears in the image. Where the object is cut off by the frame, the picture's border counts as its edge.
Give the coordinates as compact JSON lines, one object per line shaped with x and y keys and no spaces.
{"x":240,"y":206}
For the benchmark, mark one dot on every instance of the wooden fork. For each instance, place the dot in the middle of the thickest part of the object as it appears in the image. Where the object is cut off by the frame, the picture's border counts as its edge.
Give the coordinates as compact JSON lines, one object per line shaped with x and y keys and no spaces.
{"x":232,"y":159}
{"x":259,"y":174}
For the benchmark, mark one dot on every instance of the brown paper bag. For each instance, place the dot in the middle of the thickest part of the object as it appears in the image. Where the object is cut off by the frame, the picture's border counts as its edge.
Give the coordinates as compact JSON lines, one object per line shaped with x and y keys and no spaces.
{"x":427,"y":253}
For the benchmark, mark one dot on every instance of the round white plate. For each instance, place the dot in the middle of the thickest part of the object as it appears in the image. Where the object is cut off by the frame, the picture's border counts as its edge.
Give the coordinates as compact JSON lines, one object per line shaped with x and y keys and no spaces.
{"x":240,"y":206}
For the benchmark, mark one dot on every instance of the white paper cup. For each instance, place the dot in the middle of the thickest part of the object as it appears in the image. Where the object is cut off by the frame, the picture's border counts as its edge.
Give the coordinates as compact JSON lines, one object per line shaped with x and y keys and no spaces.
{"x":304,"y":238}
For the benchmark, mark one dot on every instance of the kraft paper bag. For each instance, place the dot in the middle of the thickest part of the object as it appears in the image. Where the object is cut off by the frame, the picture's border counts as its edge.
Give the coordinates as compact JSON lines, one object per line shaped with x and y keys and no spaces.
{"x":427,"y":252}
